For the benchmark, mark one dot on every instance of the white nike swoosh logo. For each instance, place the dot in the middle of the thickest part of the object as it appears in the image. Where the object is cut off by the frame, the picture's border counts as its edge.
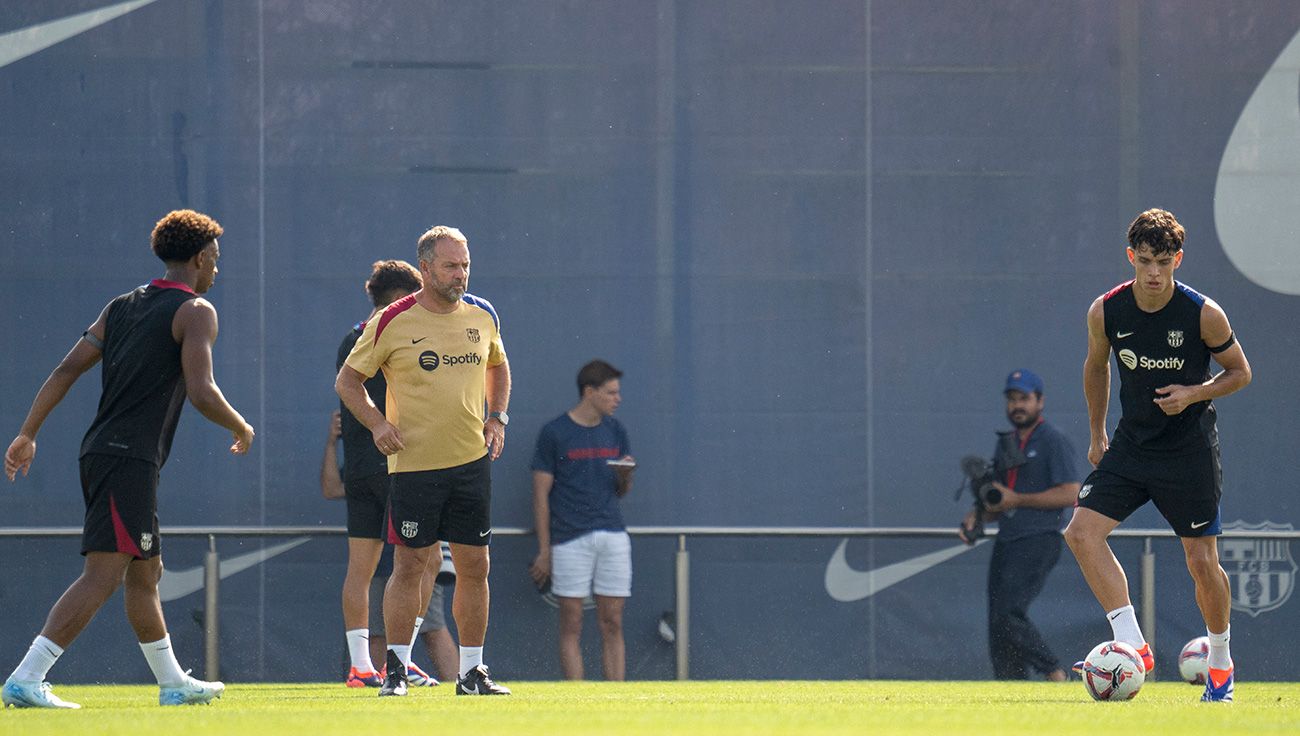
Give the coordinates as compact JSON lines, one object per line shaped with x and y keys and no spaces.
{"x":1122,"y":335}
{"x":1259,"y":180}
{"x":484,"y":534}
{"x":180,"y":583}
{"x":24,"y":42}
{"x":845,"y":584}
{"x":1198,"y":526}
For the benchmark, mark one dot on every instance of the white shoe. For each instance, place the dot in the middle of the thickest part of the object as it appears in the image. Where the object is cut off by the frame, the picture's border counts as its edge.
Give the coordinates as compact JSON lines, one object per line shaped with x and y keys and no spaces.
{"x":31,"y":694}
{"x":192,"y":692}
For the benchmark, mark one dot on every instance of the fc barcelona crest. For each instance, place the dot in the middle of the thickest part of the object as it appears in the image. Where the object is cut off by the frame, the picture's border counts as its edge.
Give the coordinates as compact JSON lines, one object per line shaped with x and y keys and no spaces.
{"x":472,"y":334}
{"x":1261,"y":571}
{"x":1175,"y":338}
{"x":146,"y":542}
{"x":410,"y":529}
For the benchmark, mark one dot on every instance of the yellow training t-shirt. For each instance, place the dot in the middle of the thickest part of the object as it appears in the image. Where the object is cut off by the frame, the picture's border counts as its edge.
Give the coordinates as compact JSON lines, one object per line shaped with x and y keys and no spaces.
{"x":436,"y":368}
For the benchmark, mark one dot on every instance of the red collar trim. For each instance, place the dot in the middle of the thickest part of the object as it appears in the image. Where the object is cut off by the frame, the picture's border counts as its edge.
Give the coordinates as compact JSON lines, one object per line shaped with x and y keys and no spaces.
{"x":165,"y":284}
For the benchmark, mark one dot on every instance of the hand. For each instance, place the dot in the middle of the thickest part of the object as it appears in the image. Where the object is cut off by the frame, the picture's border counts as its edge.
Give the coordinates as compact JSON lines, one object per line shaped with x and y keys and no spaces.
{"x":336,"y":425}
{"x":540,"y":570}
{"x":494,"y":437}
{"x":966,"y":532}
{"x":243,"y":440}
{"x":19,"y":456}
{"x":1098,"y":447}
{"x":388,"y":439}
{"x":1174,"y":398}
{"x":1010,"y":499}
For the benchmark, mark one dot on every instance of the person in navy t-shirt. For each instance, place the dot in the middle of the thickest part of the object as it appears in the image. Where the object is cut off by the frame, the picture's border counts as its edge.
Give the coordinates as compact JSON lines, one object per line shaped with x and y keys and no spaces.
{"x":581,"y":468}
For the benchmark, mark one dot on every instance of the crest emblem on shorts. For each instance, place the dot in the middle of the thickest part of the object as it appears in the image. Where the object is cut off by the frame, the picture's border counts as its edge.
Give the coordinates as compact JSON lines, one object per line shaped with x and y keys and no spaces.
{"x":1175,"y":338}
{"x":146,"y":542}
{"x":1083,"y":492}
{"x":472,"y":334}
{"x":410,"y":529}
{"x":1261,"y":571}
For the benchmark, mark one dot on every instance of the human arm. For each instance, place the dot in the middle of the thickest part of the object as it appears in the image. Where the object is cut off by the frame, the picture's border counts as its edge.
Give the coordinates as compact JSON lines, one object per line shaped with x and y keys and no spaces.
{"x":331,"y":481}
{"x":497,"y":389}
{"x":82,"y":357}
{"x":195,"y":328}
{"x":1215,"y":332}
{"x":351,"y":388}
{"x":540,"y":570}
{"x":1058,"y":496}
{"x":623,"y":471}
{"x":1096,"y":381}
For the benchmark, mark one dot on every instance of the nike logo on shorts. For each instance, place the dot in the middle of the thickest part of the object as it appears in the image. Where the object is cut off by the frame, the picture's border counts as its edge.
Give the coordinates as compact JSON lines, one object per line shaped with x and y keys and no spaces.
{"x":484,"y":534}
{"x":1199,"y":525}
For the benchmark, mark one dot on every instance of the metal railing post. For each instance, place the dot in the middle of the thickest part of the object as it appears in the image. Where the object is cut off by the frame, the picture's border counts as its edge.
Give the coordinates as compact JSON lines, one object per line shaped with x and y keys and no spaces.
{"x":683,"y":614}
{"x":1148,"y":599}
{"x":211,"y":632}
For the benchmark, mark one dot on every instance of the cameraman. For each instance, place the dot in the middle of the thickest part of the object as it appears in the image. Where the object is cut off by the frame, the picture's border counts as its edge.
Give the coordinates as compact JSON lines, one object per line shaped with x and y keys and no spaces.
{"x":1034,"y":471}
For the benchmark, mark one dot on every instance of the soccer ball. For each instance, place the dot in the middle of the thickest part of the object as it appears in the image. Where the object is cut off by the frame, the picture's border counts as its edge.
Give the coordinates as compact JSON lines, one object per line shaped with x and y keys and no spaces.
{"x":1194,"y":660}
{"x":1113,"y":671}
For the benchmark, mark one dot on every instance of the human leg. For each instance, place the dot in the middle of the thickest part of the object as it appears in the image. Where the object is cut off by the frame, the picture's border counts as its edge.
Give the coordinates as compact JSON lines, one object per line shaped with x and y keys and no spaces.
{"x":570,"y":637}
{"x":1022,"y":567}
{"x":609,"y":613}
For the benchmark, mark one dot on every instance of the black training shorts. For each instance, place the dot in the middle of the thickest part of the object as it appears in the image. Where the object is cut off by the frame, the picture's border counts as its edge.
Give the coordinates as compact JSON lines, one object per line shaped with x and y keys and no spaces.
{"x":367,"y":500}
{"x":121,"y":495}
{"x":1184,"y":488}
{"x":451,"y":505}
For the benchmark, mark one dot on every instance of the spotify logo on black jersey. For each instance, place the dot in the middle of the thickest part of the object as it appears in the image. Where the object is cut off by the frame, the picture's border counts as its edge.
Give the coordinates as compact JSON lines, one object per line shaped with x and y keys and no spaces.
{"x":428,"y":360}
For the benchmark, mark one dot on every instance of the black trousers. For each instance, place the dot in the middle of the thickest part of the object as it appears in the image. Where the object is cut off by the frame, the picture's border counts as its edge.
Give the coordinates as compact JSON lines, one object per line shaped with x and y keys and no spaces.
{"x":1016,"y":577}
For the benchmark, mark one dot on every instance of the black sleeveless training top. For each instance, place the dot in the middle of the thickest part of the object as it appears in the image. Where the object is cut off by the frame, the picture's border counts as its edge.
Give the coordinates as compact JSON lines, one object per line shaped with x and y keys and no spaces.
{"x":143,"y":386}
{"x":1153,"y":350}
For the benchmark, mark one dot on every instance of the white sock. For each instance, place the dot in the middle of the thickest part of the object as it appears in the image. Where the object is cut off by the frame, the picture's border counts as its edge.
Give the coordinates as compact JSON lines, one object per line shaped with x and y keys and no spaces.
{"x":403,"y":652}
{"x":470,"y":657}
{"x":419,"y":621}
{"x":359,"y":649}
{"x":1124,"y":626}
{"x":40,"y":657}
{"x":162,"y":660}
{"x":1220,"y":658}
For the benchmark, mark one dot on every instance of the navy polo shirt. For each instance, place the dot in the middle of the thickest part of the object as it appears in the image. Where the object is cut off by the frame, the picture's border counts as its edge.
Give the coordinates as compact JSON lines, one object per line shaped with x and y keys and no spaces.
{"x":1050,"y":463}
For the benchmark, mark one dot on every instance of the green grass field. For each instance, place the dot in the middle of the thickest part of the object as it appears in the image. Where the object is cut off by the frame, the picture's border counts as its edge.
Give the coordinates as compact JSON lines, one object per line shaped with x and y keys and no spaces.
{"x":859,"y":707}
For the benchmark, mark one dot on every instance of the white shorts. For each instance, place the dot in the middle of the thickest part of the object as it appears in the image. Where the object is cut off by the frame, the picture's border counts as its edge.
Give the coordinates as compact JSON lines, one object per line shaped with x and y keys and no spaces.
{"x":597,"y":562}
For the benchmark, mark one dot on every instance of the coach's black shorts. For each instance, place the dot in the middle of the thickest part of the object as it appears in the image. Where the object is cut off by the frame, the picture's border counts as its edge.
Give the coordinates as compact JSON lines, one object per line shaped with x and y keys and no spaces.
{"x":451,"y":505}
{"x":121,"y":495}
{"x":1185,"y":489}
{"x":367,"y":503}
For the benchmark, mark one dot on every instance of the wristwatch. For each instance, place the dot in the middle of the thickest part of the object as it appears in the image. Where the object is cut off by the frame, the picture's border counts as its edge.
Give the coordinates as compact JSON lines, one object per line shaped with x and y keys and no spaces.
{"x":500,"y":416}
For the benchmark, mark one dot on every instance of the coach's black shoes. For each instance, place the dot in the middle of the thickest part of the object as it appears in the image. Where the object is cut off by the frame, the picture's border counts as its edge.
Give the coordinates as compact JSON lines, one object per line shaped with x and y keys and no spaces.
{"x":395,"y":679}
{"x":477,"y":682}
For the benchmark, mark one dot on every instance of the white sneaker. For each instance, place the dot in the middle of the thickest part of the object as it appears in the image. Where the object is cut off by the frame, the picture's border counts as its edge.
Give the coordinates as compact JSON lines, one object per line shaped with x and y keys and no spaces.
{"x":192,"y":692}
{"x":31,"y":694}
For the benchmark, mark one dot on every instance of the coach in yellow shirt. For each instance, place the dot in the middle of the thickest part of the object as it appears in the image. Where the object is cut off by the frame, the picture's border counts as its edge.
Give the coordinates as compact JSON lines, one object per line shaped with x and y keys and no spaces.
{"x":441,"y":353}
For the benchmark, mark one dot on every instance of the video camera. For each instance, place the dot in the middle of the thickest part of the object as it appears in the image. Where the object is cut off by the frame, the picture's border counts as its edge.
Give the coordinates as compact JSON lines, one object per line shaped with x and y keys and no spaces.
{"x":981,"y":474}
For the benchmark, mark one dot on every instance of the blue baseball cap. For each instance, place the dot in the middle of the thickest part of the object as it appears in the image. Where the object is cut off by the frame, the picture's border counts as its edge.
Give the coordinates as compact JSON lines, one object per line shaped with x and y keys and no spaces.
{"x":1024,"y":380}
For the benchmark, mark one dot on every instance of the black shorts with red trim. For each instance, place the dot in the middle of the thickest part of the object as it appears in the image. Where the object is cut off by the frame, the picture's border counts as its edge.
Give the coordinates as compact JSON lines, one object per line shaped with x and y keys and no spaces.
{"x":121,"y":495}
{"x":449,"y":505}
{"x":367,"y":500}
{"x":1184,"y":488}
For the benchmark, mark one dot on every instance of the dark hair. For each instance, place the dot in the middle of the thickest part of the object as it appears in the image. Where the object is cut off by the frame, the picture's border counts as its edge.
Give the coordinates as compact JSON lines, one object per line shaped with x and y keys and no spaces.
{"x":1157,"y":230}
{"x":389,"y":276}
{"x":596,"y":374}
{"x":181,"y":234}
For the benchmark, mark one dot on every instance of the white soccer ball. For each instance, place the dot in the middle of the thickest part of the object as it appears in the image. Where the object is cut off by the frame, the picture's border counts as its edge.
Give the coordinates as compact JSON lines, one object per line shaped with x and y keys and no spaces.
{"x":1194,"y":660}
{"x":1113,"y":671}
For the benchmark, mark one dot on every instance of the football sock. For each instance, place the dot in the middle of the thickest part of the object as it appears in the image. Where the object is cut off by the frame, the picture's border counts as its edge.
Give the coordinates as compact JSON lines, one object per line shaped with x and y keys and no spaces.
{"x":419,"y":621}
{"x":359,"y":650}
{"x":470,"y":657}
{"x":40,"y":657}
{"x":1220,"y":658}
{"x":403,"y":652}
{"x":162,"y":660}
{"x":1124,"y":626}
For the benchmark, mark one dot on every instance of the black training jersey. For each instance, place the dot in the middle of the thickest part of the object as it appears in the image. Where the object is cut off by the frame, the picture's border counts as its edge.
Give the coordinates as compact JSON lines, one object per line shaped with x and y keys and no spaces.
{"x":360,"y":456}
{"x":1153,"y":350}
{"x":142,"y":388}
